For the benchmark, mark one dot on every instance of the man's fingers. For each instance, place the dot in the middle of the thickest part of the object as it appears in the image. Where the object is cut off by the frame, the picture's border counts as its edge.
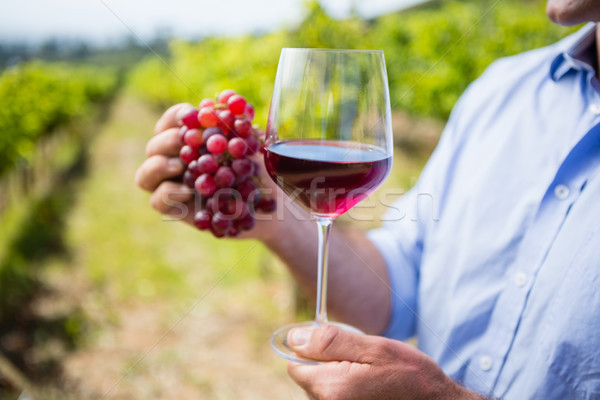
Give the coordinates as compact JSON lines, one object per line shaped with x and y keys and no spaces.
{"x":309,"y":377}
{"x":330,"y":343}
{"x":166,"y":143}
{"x":329,"y":380}
{"x":172,"y":117}
{"x":157,"y":169}
{"x":175,"y":200}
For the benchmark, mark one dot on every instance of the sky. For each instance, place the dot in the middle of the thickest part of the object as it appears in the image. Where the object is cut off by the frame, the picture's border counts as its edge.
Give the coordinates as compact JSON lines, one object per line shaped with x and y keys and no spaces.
{"x":103,"y":21}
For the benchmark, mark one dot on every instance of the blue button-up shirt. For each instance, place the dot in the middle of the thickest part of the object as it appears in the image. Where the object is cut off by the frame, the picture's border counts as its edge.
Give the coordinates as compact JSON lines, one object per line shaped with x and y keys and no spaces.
{"x":494,"y":255}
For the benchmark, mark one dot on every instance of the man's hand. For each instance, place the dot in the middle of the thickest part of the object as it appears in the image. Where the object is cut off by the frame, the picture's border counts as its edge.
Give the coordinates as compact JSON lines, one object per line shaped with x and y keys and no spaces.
{"x":367,"y":367}
{"x":163,"y":164}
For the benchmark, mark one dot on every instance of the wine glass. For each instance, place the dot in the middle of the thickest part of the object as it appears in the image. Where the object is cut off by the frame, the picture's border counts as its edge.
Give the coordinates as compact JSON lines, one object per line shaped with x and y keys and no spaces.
{"x":328,"y":144}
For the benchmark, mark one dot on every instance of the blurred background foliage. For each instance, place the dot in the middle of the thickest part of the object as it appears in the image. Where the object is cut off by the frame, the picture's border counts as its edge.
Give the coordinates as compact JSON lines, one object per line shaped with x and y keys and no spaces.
{"x":81,"y":253}
{"x":39,"y":97}
{"x":432,"y":51}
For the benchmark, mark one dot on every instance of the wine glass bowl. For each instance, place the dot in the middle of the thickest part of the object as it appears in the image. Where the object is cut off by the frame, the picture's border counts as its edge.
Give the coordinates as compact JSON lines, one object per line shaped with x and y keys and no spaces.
{"x":328,"y":143}
{"x":327,"y":177}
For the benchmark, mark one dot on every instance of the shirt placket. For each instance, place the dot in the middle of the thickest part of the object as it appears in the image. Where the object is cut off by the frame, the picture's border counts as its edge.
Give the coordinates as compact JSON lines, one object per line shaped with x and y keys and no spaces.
{"x":537,"y":241}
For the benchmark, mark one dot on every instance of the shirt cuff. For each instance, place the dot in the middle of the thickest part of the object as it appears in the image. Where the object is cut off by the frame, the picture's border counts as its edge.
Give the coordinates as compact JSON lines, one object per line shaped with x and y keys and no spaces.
{"x":403,"y":284}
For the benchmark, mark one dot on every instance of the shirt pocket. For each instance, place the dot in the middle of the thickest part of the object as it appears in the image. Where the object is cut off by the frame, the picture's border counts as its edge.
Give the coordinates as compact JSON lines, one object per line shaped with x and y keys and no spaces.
{"x":572,"y":334}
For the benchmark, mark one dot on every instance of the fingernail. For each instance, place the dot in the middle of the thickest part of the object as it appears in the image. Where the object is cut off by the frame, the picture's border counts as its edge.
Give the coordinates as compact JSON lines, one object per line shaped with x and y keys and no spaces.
{"x":300,"y":336}
{"x":174,"y":164}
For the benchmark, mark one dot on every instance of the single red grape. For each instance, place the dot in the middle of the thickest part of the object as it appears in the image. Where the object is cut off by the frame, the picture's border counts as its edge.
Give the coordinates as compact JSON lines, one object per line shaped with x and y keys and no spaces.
{"x":188,"y":154}
{"x":237,"y":207}
{"x":205,"y":185}
{"x":202,"y":220}
{"x":220,"y":200}
{"x":220,"y":222}
{"x":216,"y":144}
{"x":217,"y":234}
{"x":207,"y":164}
{"x":242,"y":167}
{"x":208,"y":117}
{"x":231,"y":208}
{"x":224,"y":177}
{"x":225,"y":95}
{"x":194,"y":169}
{"x":191,"y":119}
{"x":193,"y":138}
{"x":226,"y":120}
{"x":236,"y":104}
{"x":206,"y":103}
{"x":237,"y":147}
{"x":242,"y":127}
{"x":245,"y":223}
{"x":189,"y":179}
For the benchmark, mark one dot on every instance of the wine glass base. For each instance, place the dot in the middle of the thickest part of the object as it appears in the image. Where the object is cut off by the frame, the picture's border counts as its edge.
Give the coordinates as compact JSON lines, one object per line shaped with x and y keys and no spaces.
{"x":280,"y":345}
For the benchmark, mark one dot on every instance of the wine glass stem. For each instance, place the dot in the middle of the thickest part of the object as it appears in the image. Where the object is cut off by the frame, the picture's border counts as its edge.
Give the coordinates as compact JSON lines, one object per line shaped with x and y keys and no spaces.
{"x":324,"y":225}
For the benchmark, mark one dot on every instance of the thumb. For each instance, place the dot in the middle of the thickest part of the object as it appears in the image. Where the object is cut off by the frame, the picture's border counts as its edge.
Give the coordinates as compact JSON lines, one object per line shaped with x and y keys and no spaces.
{"x":329,"y":343}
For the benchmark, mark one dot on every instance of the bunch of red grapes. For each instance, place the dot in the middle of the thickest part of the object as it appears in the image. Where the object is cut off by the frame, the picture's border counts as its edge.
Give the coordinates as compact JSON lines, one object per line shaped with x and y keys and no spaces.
{"x":218,"y":140}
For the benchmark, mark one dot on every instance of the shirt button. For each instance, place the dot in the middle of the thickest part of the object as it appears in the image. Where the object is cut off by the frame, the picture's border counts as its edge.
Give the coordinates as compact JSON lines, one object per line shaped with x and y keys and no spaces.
{"x":561,"y":192}
{"x":520,"y":279}
{"x":595,"y":108}
{"x":485,"y":363}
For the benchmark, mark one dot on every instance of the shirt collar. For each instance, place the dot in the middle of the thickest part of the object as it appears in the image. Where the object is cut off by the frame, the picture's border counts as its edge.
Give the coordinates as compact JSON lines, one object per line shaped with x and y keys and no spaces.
{"x":576,"y":54}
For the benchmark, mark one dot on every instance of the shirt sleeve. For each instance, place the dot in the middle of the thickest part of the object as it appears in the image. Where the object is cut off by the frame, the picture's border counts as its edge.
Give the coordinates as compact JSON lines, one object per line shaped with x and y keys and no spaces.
{"x":402,"y":237}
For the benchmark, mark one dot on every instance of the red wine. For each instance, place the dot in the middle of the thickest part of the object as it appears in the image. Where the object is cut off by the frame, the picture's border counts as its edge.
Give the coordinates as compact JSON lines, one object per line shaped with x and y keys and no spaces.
{"x":327,"y":177}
